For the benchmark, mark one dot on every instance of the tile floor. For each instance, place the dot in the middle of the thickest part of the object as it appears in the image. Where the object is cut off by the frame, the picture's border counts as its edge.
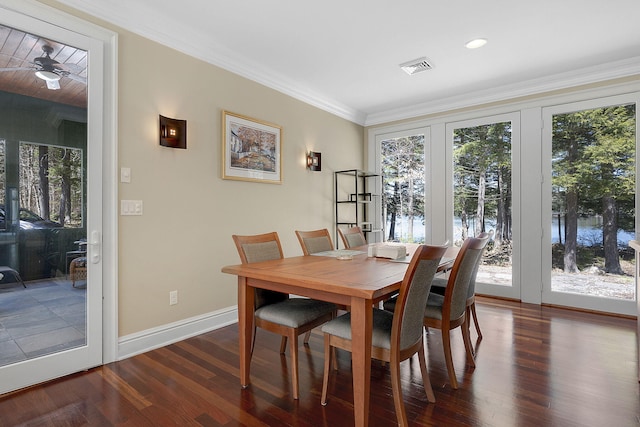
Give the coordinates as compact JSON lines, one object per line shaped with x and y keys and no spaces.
{"x":46,"y":317}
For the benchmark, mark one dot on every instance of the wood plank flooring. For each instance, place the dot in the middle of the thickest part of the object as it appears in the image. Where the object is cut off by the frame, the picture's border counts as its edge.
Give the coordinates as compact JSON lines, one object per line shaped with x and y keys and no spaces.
{"x":536,"y":366}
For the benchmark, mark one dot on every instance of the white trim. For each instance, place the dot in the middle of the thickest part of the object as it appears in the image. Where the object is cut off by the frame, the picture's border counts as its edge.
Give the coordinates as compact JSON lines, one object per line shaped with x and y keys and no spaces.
{"x":213,"y":53}
{"x":375,"y":138}
{"x":588,"y":302}
{"x":109,"y":39}
{"x":513,"y":291}
{"x":216,"y":54}
{"x":531,"y":181}
{"x":590,"y":75}
{"x":141,"y":342}
{"x":110,"y":202}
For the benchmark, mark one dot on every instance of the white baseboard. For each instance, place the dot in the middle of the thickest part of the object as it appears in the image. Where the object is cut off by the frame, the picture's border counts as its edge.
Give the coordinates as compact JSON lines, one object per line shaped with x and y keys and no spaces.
{"x":140,"y":342}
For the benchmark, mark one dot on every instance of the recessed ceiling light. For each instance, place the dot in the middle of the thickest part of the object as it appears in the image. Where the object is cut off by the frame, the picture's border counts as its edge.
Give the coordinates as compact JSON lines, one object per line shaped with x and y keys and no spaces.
{"x":475,"y":43}
{"x":416,"y":66}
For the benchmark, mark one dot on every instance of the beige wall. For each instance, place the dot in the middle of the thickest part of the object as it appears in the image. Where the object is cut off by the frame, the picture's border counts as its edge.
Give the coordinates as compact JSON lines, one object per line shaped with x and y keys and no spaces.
{"x":190,"y":213}
{"x":184,"y":236}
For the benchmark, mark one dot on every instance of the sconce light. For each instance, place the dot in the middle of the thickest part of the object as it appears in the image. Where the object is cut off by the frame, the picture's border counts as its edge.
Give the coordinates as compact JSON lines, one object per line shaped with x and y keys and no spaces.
{"x":173,"y":132}
{"x":314,"y":161}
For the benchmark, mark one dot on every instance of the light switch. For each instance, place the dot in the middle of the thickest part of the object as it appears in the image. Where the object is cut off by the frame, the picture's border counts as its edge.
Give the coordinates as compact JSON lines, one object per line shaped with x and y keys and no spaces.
{"x":130,"y":207}
{"x":125,"y":174}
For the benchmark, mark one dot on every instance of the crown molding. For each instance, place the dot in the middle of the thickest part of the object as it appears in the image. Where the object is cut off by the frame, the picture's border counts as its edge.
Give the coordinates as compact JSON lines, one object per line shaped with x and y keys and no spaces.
{"x":590,"y":75}
{"x":216,"y":55}
{"x":211,"y":53}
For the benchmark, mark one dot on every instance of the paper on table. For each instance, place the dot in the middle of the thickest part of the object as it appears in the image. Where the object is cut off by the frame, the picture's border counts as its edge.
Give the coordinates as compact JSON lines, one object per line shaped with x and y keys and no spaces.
{"x":338,"y":253}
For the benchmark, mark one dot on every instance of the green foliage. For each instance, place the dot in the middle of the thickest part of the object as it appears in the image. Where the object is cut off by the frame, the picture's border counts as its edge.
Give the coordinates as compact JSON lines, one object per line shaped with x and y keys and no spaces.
{"x":482,"y":170}
{"x":403,"y":178}
{"x":594,"y":154}
{"x":65,"y":168}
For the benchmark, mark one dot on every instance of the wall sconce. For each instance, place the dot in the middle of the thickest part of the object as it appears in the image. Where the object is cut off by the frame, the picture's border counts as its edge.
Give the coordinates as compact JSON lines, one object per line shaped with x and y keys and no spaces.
{"x":173,"y":132}
{"x":314,"y":161}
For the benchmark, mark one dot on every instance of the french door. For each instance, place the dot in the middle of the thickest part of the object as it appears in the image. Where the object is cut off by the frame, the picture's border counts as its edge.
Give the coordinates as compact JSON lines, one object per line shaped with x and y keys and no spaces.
{"x":483,"y":156}
{"x":403,"y":158}
{"x":589,"y":158}
{"x":86,"y":351}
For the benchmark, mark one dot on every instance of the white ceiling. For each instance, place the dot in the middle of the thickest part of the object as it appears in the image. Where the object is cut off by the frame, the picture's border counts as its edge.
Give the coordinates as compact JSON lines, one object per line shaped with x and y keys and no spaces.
{"x":343,"y":55}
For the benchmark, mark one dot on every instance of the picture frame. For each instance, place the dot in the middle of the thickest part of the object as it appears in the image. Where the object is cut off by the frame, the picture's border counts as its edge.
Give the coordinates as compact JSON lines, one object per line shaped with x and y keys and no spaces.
{"x":251,"y":149}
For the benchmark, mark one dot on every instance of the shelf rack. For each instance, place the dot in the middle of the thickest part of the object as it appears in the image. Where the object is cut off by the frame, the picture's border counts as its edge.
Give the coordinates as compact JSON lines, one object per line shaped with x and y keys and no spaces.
{"x":357,"y":201}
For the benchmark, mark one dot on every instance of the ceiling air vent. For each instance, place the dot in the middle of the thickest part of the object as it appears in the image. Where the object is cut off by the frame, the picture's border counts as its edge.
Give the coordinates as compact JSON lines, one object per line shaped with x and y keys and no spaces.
{"x":416,"y":66}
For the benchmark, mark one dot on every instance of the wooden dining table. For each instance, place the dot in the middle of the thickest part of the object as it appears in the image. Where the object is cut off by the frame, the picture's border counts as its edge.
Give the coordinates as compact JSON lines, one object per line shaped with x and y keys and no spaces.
{"x":359,"y":283}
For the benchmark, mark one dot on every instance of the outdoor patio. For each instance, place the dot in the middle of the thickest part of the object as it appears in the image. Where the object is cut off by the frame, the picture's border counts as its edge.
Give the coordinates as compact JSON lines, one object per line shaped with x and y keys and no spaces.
{"x":48,"y":316}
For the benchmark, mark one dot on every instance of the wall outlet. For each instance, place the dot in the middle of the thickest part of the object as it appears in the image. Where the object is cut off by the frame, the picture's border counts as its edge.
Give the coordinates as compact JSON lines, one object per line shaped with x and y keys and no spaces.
{"x":173,"y":297}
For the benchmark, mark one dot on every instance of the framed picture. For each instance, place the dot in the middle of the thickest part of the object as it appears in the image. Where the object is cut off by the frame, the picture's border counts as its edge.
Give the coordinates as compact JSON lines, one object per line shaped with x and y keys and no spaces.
{"x":251,"y":149}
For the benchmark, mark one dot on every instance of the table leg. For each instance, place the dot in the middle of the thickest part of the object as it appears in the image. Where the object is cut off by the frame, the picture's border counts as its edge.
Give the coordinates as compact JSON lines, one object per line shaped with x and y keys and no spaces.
{"x":361,"y":327}
{"x":246,"y":296}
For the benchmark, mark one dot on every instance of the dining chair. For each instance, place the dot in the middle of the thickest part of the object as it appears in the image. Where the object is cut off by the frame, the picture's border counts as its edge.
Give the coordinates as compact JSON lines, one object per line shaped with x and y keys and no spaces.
{"x":352,"y":237}
{"x":315,"y":241}
{"x":449,"y":311}
{"x":275,"y":311}
{"x":439,"y":285}
{"x":396,"y":336}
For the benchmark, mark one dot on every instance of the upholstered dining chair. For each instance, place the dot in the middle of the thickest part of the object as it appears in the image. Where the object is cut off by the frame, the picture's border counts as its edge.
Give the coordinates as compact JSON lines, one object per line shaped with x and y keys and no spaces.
{"x":447,"y":312}
{"x":275,"y":311}
{"x":439,"y":285}
{"x":315,"y":241}
{"x":396,"y":336}
{"x":352,"y":237}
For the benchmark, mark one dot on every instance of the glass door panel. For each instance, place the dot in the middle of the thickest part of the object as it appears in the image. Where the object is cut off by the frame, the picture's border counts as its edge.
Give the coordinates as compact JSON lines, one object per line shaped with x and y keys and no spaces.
{"x":50,"y":285}
{"x":483,"y":197}
{"x":403,"y":183}
{"x":591,"y":153}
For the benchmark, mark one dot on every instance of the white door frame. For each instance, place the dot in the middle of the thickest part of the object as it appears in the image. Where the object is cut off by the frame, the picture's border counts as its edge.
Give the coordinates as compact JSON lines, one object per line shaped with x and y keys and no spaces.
{"x":374,"y":164}
{"x":36,"y":18}
{"x":568,"y":299}
{"x":512,"y":291}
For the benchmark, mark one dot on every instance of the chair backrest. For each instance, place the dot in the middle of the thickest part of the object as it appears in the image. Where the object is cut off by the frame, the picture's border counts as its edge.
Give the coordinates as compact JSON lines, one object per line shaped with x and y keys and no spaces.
{"x":257,"y":248}
{"x":472,"y":282}
{"x":315,"y":241}
{"x":462,"y":273}
{"x":352,"y":237}
{"x":408,"y":315}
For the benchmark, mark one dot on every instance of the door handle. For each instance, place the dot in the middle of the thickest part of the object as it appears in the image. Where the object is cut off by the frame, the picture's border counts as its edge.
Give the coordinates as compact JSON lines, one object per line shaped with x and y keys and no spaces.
{"x":96,"y":246}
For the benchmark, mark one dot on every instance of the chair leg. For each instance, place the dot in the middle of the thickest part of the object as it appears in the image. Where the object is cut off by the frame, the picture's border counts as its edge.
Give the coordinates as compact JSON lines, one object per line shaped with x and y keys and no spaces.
{"x":328,"y":352}
{"x":431,"y":397}
{"x":19,"y":278}
{"x":467,"y":313}
{"x":475,"y":320}
{"x":306,"y":337}
{"x":446,"y":344}
{"x":283,"y":344}
{"x":253,"y":339}
{"x":396,"y":389}
{"x":466,"y":337}
{"x":294,"y":364}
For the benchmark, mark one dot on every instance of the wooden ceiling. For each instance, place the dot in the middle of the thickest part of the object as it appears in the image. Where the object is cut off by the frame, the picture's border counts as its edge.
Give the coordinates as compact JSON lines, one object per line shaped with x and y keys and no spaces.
{"x":18,"y":50}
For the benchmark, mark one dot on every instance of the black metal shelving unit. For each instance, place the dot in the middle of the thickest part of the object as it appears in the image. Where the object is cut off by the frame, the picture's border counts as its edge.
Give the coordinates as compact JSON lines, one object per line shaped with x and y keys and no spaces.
{"x":354,"y":197}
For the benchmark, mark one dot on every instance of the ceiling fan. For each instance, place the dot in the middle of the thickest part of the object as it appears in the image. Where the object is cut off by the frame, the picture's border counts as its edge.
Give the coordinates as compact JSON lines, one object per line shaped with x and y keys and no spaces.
{"x":49,"y":70}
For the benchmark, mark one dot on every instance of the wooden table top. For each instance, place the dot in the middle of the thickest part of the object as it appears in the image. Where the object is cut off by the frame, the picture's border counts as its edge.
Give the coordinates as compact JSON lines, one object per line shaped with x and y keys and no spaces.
{"x":361,"y":277}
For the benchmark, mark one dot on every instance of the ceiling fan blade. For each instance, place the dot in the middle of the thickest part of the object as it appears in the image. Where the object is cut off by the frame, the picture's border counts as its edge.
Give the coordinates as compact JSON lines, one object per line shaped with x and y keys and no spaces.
{"x":70,"y":68}
{"x":77,"y":78}
{"x":53,"y":84}
{"x":16,"y":69}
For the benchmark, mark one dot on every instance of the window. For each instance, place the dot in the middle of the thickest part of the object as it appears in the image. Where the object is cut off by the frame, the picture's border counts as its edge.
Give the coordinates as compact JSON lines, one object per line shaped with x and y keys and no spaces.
{"x":51,"y":182}
{"x":403,"y":183}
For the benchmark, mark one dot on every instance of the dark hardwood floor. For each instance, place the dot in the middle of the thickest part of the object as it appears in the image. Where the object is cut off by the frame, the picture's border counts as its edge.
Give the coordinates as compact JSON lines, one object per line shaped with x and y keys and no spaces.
{"x":536,"y":366}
